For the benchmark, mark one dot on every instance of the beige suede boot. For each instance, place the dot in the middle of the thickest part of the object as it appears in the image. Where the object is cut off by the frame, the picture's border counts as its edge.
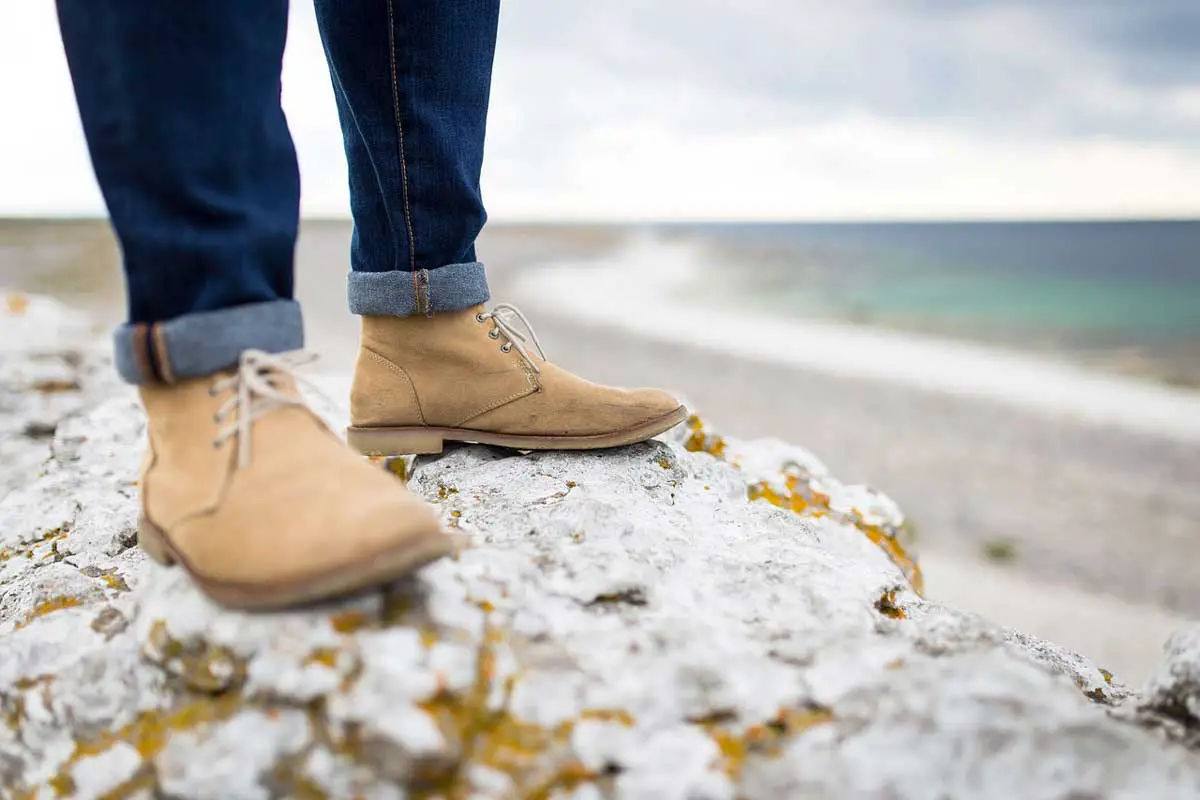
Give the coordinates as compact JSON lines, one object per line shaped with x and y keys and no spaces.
{"x":246,"y":489}
{"x":472,"y":376}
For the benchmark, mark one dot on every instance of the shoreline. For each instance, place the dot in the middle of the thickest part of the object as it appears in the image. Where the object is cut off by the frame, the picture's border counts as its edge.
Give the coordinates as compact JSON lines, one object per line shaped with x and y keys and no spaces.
{"x":805,"y":270}
{"x":61,"y":251}
{"x":659,"y":270}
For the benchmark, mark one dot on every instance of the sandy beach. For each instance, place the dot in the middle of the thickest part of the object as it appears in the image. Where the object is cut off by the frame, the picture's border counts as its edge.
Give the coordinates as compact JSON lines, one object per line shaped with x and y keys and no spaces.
{"x":1079,"y":530}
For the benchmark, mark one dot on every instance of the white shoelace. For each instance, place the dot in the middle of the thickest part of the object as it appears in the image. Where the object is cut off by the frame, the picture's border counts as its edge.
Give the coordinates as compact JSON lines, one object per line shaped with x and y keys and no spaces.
{"x":515,"y":338}
{"x":256,"y":394}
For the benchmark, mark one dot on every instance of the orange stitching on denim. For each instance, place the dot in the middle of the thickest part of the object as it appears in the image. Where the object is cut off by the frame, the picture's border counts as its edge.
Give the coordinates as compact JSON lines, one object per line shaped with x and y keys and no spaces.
{"x":412,"y":245}
{"x":424,"y":293}
{"x":162,"y":356}
{"x":141,"y":353}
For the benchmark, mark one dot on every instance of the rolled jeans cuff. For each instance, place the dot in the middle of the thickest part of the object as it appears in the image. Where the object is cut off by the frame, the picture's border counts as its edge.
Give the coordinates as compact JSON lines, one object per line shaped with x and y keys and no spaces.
{"x":404,"y":294}
{"x":205,"y":342}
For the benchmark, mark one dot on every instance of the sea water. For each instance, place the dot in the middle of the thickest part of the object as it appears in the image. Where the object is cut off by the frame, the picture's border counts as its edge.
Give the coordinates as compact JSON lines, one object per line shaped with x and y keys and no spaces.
{"x":1124,"y":295}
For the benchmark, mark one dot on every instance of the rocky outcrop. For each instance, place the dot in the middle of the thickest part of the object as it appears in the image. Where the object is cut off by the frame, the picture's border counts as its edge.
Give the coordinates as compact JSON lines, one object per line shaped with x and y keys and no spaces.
{"x":723,"y":621}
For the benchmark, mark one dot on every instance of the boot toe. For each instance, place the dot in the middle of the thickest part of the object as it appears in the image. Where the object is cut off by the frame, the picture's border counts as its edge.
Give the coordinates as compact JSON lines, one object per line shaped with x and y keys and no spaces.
{"x":381,"y":516}
{"x":285,"y":535}
{"x":642,"y":407}
{"x":656,"y":402}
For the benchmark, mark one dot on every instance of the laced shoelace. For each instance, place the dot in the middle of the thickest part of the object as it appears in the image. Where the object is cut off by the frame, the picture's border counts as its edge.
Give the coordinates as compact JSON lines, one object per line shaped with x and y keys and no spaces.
{"x":504,"y":327}
{"x":255,"y":395}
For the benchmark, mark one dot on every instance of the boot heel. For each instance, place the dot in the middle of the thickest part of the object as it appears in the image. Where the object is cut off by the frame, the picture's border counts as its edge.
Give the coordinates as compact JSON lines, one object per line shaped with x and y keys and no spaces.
{"x":151,"y":541}
{"x":394,"y":441}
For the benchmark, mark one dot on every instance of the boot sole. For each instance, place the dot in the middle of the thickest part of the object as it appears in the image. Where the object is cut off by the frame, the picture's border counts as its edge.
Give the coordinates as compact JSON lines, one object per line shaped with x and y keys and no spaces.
{"x":421,"y":440}
{"x":379,"y":569}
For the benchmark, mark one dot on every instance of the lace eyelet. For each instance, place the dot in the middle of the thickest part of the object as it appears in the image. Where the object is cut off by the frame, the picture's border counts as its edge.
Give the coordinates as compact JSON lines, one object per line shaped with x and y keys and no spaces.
{"x":493,"y":334}
{"x":217,"y":418}
{"x":505,"y":347}
{"x":480,"y":318}
{"x":212,"y":391}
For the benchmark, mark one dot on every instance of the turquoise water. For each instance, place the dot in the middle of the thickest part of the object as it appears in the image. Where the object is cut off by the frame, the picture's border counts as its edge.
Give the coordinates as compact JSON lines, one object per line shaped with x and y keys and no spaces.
{"x":1117,"y":293}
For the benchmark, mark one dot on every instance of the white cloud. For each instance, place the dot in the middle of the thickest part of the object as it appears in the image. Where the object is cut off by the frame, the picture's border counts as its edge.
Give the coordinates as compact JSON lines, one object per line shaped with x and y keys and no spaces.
{"x":854,"y":167}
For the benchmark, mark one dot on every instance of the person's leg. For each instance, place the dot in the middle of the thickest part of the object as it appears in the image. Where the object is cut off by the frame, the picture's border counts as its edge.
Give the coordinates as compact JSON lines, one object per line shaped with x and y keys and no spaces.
{"x":412,"y":79}
{"x":180,"y":106}
{"x":243,"y":486}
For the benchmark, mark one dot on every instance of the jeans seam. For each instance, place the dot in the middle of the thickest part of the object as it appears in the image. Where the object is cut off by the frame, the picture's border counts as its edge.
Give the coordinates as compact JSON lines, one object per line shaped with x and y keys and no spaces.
{"x":141,"y":352}
{"x":412,"y":246}
{"x":163,"y":356}
{"x":424,"y":293}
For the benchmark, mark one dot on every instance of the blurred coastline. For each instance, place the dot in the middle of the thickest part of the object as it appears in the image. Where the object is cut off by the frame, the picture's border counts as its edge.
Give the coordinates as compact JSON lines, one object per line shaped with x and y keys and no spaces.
{"x":1119,"y":297}
{"x":1023,"y":516}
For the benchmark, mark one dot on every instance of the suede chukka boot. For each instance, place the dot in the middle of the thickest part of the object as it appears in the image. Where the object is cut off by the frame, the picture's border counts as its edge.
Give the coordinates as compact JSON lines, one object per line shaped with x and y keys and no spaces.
{"x":475,"y":376}
{"x":246,"y":489}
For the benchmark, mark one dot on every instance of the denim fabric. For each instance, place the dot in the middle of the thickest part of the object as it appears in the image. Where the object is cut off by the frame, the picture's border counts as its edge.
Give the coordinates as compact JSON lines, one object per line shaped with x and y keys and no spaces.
{"x":205,"y":341}
{"x":180,"y":107}
{"x":395,"y":293}
{"x":412,"y":80}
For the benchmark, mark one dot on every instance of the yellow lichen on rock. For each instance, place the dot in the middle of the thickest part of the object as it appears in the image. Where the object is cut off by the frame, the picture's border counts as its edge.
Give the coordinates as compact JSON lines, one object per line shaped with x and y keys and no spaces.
{"x":56,"y":386}
{"x":290,"y":783}
{"x":619,"y":716}
{"x":701,"y":441}
{"x":886,"y":605}
{"x":802,"y":498}
{"x":891,"y":545}
{"x":536,"y":759}
{"x":323,"y":656}
{"x":398,"y":467}
{"x":16,"y":303}
{"x":49,"y":607}
{"x":52,"y":536}
{"x":148,"y":734}
{"x":796,"y":492}
{"x":760,"y":741}
{"x":115,"y":582}
{"x":202,"y":667}
{"x":348,"y":622}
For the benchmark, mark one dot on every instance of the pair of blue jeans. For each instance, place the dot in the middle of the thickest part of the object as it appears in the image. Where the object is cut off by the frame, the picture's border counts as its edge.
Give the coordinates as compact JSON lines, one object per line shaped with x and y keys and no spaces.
{"x":180,"y":104}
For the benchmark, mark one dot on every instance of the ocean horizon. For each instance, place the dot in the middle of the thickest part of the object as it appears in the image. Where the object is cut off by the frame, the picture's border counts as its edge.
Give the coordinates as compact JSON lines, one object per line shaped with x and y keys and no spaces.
{"x":1118,"y":295}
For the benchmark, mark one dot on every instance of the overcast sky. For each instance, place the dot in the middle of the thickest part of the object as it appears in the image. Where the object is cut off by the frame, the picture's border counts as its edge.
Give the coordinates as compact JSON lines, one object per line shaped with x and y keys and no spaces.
{"x":748,"y":109}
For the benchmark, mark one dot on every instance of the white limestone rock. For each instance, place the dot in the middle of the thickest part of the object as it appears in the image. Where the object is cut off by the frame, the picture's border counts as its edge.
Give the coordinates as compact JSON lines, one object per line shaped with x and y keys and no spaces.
{"x":94,"y":776}
{"x":626,"y":624}
{"x":52,"y":364}
{"x":1171,"y":698}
